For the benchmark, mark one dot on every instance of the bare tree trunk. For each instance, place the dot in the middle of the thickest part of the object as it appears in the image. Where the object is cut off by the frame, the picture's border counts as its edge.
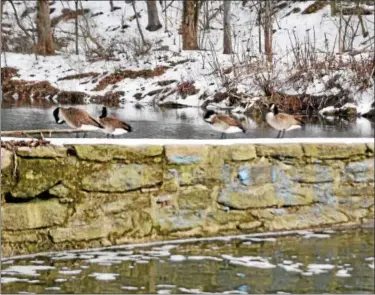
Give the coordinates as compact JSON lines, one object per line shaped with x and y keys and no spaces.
{"x":227,"y":28}
{"x":190,"y":25}
{"x":259,"y":27}
{"x":43,"y":25}
{"x":111,"y":4}
{"x":268,"y":31}
{"x":165,"y":17}
{"x":76,"y":27}
{"x":138,"y":24}
{"x":153,"y":17}
{"x":333,"y":7}
{"x":341,"y":43}
{"x":359,"y":14}
{"x":206,"y":16}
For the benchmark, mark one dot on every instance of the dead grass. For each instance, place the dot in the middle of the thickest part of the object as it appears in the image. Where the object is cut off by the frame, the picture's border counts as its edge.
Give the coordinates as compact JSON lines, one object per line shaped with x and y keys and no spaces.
{"x":316,"y":6}
{"x":68,"y":14}
{"x":121,"y":75}
{"x":71,"y":97}
{"x":110,"y":99}
{"x":79,"y":76}
{"x":186,"y":88}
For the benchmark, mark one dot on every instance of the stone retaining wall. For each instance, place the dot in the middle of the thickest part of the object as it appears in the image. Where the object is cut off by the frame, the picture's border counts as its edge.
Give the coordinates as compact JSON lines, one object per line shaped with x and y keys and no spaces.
{"x":83,"y":196}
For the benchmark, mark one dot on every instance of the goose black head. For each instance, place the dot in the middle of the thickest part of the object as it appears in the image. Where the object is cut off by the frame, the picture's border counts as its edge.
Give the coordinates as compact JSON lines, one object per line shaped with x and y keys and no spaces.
{"x":273,"y":108}
{"x":208,"y":116}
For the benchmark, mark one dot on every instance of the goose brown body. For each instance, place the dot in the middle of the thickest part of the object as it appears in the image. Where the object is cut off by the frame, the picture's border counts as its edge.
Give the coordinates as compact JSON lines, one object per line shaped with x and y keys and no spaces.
{"x":222,"y":123}
{"x":76,"y":118}
{"x":113,"y":125}
{"x":281,"y":121}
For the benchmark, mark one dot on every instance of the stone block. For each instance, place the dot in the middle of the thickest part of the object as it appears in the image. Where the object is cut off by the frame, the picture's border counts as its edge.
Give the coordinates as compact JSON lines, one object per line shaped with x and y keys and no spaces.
{"x":360,"y":171}
{"x":364,"y":190}
{"x":6,"y":158}
{"x":37,"y":176}
{"x":257,"y":174}
{"x":98,"y":229}
{"x":279,"y":150}
{"x":242,"y":152}
{"x":238,"y":197}
{"x":32,"y":215}
{"x":121,"y":177}
{"x":19,"y":237}
{"x":48,"y":151}
{"x":334,"y":151}
{"x":194,"y":198}
{"x":105,"y":153}
{"x":186,"y":155}
{"x":249,"y":225}
{"x":313,"y":174}
{"x":370,"y":147}
{"x":306,"y":217}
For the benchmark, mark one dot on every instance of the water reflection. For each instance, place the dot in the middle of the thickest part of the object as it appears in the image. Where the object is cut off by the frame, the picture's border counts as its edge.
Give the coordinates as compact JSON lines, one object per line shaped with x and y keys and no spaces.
{"x":205,"y":267}
{"x":185,"y":123}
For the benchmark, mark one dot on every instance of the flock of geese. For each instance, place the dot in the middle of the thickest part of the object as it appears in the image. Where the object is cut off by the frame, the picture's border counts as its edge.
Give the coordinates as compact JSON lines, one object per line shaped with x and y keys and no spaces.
{"x":81,"y":120}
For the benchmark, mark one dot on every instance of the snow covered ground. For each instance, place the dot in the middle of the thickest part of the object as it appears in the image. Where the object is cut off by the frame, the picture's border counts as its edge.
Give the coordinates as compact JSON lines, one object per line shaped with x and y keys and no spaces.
{"x":319,"y":30}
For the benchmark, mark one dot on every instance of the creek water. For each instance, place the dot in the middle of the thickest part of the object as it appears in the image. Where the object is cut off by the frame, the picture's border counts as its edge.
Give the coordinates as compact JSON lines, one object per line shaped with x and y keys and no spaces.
{"x":308,"y":262}
{"x":186,"y":123}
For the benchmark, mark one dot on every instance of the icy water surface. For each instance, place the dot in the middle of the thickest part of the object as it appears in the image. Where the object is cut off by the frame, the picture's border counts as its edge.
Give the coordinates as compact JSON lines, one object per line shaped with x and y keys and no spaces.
{"x":186,"y":123}
{"x":324,"y":262}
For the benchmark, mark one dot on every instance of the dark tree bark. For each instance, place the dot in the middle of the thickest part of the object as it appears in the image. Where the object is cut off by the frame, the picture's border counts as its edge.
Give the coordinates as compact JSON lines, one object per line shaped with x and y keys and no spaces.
{"x":76,"y":27}
{"x":43,"y":25}
{"x":227,"y":28}
{"x":153,"y":17}
{"x":111,"y":4}
{"x":190,"y":16}
{"x":268,"y":30}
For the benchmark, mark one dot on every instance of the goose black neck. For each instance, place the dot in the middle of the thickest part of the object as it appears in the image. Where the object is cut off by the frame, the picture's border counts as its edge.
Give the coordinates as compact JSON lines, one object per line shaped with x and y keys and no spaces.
{"x":104,"y":113}
{"x":275,"y":110}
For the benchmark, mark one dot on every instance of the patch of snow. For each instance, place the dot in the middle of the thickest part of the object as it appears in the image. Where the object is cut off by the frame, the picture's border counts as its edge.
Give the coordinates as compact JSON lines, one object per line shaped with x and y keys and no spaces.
{"x":70,"y":272}
{"x":60,"y":280}
{"x":249,"y":261}
{"x":291,"y":267}
{"x":314,"y":235}
{"x":26,"y":270}
{"x":177,"y":258}
{"x":7,"y":280}
{"x":343,"y":273}
{"x":190,"y":291}
{"x":104,"y":276}
{"x":131,"y":288}
{"x":157,"y":141}
{"x":204,"y":258}
{"x":52,"y":288}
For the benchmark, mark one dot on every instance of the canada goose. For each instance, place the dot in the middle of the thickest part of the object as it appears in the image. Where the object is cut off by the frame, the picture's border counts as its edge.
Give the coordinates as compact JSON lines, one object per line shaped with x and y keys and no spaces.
{"x":282,"y":122}
{"x":76,"y":119}
{"x":113,"y":125}
{"x":223,"y":123}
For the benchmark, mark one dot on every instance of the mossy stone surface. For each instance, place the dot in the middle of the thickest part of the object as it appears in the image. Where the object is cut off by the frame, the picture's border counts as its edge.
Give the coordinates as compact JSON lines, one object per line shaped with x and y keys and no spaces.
{"x":32,"y":215}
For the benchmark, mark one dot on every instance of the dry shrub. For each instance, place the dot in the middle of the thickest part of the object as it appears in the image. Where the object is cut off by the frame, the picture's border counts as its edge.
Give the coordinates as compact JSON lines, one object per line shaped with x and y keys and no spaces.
{"x":121,"y":75}
{"x":186,"y":88}
{"x":79,"y":76}
{"x":316,"y":6}
{"x":110,"y":99}
{"x":68,"y":14}
{"x":8,"y":73}
{"x":28,"y":89}
{"x":71,"y":97}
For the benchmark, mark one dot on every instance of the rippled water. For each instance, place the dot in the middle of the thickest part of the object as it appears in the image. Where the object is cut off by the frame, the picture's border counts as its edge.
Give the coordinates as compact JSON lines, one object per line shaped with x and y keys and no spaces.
{"x":187,"y":123}
{"x":324,"y":262}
